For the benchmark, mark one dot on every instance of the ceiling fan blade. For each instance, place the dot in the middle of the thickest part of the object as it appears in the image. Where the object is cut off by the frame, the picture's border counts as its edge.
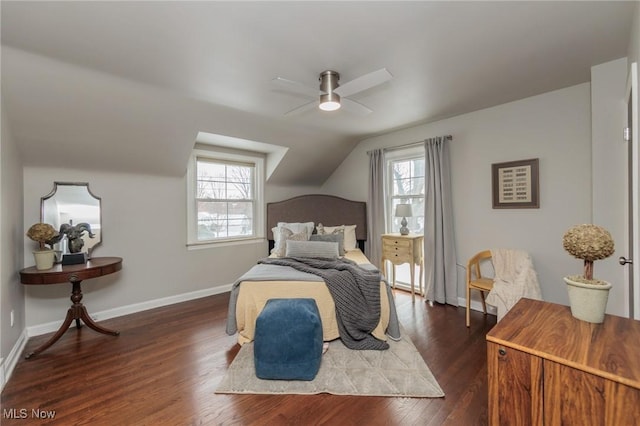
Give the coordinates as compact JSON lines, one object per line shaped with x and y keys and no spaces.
{"x":294,"y":86}
{"x":355,"y":107}
{"x":363,"y":82}
{"x":302,"y":108}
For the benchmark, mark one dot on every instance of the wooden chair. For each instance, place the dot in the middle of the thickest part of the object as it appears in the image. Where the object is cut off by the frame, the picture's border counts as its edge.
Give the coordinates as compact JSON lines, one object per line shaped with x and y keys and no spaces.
{"x":475,"y":280}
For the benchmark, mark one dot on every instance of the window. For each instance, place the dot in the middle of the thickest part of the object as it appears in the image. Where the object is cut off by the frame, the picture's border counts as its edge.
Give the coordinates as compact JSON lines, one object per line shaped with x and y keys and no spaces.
{"x":225,"y":197}
{"x":405,"y":185}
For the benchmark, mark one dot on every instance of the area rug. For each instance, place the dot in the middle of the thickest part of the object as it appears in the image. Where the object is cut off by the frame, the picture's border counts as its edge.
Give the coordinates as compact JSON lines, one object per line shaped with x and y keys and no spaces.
{"x":399,"y":371}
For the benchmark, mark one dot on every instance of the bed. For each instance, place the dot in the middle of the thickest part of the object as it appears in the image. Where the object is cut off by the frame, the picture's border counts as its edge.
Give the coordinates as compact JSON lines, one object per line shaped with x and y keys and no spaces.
{"x":263,"y":282}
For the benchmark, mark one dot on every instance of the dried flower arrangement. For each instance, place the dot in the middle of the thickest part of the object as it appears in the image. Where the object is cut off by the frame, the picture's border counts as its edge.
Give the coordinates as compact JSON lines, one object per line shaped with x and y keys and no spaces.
{"x":43,"y":234}
{"x":590,"y":243}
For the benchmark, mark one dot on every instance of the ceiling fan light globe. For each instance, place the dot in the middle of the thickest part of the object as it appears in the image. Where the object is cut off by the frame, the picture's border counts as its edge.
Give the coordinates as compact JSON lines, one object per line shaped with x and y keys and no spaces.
{"x":329,"y":102}
{"x":329,"y":106}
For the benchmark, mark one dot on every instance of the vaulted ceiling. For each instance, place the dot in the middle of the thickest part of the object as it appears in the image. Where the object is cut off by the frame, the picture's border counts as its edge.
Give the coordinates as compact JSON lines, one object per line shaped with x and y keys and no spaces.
{"x":127,"y":86}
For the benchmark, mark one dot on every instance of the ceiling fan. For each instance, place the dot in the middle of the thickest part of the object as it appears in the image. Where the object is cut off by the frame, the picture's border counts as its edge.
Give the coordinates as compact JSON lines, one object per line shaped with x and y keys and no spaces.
{"x":331,"y":95}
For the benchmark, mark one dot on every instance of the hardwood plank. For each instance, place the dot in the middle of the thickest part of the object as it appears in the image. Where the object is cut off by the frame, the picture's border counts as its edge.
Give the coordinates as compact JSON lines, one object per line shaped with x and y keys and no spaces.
{"x":166,"y":363}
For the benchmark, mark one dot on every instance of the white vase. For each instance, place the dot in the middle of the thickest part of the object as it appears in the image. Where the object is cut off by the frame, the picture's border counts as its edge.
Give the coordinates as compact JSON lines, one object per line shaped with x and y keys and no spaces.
{"x":588,"y":301}
{"x":44,"y":259}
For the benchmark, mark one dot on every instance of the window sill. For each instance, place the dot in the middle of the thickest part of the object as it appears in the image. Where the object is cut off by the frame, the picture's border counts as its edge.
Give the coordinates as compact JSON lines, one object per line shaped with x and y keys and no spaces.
{"x":227,"y":243}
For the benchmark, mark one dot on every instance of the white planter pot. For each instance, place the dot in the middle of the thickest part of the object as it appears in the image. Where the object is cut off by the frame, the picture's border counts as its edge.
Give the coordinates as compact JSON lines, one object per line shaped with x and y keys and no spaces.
{"x":44,"y":259}
{"x":588,"y":302}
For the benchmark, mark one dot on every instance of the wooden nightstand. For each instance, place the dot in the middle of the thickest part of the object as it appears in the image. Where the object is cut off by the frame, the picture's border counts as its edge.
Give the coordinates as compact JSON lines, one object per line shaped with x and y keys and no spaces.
{"x":399,"y":249}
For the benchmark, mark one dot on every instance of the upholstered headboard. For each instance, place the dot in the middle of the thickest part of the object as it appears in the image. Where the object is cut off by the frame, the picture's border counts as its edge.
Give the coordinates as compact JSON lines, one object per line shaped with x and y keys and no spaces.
{"x":317,"y":208}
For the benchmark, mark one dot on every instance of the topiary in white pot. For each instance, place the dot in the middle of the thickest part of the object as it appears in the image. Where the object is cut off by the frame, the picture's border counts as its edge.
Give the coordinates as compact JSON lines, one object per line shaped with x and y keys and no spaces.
{"x":44,"y":234}
{"x":588,"y":296}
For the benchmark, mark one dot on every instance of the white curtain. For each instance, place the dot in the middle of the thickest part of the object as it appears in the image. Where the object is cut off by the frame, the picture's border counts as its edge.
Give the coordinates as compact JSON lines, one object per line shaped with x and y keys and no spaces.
{"x":375,"y":206}
{"x":439,"y":247}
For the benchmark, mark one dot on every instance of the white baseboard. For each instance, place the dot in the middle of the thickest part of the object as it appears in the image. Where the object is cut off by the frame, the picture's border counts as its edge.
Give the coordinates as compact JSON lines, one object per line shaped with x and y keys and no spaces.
{"x":9,"y":363}
{"x":476,"y":305}
{"x":37,"y":330}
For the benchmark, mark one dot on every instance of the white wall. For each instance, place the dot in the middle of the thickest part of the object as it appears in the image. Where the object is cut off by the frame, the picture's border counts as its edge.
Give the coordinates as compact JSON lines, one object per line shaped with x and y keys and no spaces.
{"x":144,"y":222}
{"x":633,"y":53}
{"x":554,"y":127}
{"x":283,"y":192}
{"x":609,"y":179}
{"x":11,"y":246}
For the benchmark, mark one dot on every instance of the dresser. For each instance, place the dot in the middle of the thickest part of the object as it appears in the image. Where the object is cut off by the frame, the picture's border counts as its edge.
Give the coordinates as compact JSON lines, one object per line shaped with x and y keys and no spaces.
{"x":548,"y":368}
{"x":399,"y":249}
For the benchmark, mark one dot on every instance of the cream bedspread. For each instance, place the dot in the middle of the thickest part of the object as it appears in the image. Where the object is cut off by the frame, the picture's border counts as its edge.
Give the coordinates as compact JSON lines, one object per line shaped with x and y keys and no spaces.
{"x":253,"y":296}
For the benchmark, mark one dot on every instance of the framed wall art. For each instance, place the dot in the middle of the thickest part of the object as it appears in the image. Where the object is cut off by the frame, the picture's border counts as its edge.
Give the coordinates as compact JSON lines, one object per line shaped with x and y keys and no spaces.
{"x":515,"y":184}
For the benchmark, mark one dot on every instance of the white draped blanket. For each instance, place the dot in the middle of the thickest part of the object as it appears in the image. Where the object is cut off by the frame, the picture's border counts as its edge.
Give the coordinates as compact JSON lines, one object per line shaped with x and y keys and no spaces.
{"x":514,"y":278}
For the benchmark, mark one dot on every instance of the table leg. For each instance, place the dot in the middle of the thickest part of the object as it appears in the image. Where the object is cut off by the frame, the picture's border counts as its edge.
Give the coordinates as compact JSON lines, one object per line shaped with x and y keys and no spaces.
{"x":80,"y":312}
{"x":84,"y":315}
{"x":427,"y":288}
{"x":421,"y":279}
{"x":65,"y":325}
{"x":394,"y":275}
{"x":412,"y":268}
{"x":76,"y":312}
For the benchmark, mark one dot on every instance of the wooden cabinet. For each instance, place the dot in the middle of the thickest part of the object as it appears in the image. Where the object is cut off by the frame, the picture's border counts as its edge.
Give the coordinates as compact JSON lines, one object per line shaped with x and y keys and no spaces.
{"x":547,"y":368}
{"x":399,"y":249}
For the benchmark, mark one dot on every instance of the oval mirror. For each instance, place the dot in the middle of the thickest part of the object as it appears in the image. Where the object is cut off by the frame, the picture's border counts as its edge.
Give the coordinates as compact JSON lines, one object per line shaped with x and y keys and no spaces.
{"x":70,"y":204}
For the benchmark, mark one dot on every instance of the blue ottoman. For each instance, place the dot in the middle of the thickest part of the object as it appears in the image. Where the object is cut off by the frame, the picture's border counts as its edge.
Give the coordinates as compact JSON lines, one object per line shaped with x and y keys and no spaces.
{"x":288,"y":340}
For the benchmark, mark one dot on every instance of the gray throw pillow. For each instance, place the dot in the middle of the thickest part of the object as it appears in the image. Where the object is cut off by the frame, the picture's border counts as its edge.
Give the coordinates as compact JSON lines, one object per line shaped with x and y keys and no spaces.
{"x":335,"y":238}
{"x":316,"y":249}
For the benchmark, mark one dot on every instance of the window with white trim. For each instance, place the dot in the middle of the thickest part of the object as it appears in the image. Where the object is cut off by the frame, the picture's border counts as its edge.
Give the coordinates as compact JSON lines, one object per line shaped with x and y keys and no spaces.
{"x":405,"y":185}
{"x":225,"y":196}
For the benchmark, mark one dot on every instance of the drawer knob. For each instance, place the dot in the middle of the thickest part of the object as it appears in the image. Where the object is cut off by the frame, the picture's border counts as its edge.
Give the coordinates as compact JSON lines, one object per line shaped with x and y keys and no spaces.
{"x":502,"y":351}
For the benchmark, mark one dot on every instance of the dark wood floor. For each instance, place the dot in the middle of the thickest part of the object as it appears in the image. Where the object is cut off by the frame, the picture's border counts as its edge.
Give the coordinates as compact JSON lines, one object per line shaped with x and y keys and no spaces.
{"x":166,"y":363}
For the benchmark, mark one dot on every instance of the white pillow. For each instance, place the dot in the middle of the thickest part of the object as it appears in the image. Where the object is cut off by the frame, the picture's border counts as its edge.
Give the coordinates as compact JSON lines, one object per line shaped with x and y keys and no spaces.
{"x":321,"y":249}
{"x":285,"y":235}
{"x":330,"y":229}
{"x":350,"y":242}
{"x":298,"y":227}
{"x":295,"y":227}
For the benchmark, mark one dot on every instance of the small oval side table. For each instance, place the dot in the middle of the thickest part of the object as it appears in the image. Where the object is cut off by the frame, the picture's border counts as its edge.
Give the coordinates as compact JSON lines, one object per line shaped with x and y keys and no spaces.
{"x":75,"y":274}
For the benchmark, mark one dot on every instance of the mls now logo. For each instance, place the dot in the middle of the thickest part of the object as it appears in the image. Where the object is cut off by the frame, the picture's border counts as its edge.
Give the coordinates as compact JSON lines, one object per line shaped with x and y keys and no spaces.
{"x":23,"y":413}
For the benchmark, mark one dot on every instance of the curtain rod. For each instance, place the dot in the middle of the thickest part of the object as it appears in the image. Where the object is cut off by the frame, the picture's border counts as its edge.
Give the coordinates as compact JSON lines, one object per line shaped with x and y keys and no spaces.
{"x":411,"y":144}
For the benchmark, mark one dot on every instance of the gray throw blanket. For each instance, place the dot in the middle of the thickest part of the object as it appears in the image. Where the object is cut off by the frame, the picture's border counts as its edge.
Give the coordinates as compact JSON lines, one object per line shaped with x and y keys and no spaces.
{"x":355,"y":292}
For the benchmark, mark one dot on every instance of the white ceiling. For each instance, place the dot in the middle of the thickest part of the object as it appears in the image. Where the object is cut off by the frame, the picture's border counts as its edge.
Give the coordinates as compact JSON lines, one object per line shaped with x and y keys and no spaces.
{"x":127,"y":86}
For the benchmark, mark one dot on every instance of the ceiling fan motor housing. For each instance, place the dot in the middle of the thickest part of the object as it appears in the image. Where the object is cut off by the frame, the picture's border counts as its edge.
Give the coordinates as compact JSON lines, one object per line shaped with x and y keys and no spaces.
{"x":328,"y":83}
